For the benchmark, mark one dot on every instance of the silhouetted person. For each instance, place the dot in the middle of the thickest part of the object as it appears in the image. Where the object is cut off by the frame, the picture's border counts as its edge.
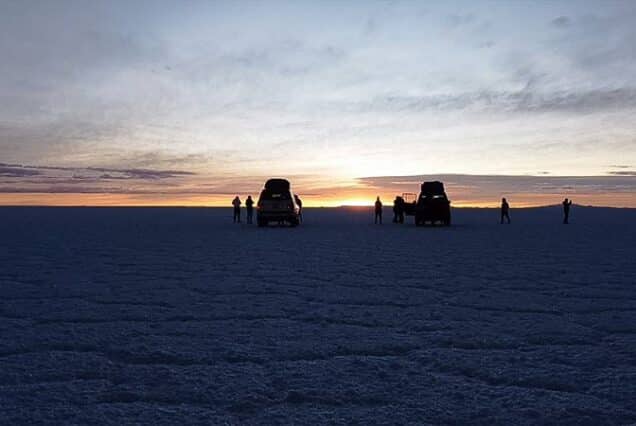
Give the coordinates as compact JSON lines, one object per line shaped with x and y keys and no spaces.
{"x":396,"y":210}
{"x":236,"y":202}
{"x":505,"y":211}
{"x":249,"y":206}
{"x":401,"y":209}
{"x":566,"y":210}
{"x":378,"y":211}
{"x":299,"y":202}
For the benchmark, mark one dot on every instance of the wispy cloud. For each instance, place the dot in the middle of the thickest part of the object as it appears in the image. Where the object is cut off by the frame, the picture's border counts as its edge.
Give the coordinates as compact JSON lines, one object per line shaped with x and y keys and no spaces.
{"x":623,"y":173}
{"x":561,"y":21}
{"x":17,"y":178}
{"x":463,"y":188}
{"x":522,"y":101}
{"x":473,"y":188}
{"x":20,"y":170}
{"x":11,"y":171}
{"x":128,"y":94}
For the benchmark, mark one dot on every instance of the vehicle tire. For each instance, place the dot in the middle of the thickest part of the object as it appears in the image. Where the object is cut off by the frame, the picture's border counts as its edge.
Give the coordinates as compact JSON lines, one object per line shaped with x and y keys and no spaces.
{"x":261,"y":222}
{"x":293,"y":222}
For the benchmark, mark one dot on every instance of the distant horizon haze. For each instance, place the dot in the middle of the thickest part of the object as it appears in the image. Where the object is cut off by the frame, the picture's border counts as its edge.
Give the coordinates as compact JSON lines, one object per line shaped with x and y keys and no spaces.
{"x":463,"y":190}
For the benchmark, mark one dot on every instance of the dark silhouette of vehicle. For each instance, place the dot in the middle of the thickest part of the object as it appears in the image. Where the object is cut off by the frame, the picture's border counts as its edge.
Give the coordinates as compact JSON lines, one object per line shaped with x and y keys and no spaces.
{"x":432,"y":205}
{"x":277,"y":204}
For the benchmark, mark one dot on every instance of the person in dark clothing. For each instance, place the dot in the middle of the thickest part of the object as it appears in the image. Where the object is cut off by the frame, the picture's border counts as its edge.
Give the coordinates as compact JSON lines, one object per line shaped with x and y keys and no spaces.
{"x":505,"y":211}
{"x":249,"y":206}
{"x":299,"y":202}
{"x":400,"y":209}
{"x":566,"y":211}
{"x":378,"y":211}
{"x":396,"y":209}
{"x":236,"y":202}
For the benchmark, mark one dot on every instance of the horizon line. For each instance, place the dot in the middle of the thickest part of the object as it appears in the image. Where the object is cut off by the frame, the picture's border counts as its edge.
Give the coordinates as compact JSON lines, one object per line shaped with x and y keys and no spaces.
{"x":348,"y":206}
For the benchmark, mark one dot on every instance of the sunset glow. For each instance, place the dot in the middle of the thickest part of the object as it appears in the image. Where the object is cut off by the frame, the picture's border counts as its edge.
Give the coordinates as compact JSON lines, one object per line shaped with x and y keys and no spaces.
{"x":134,"y":104}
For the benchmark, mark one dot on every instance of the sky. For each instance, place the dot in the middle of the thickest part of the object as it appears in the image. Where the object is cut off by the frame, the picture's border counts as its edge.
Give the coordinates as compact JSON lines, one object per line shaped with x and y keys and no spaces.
{"x":189,"y":103}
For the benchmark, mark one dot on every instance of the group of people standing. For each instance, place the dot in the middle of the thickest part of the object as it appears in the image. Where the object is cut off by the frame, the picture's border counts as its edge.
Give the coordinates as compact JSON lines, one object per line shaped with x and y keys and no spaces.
{"x":505,"y":211}
{"x":249,"y":207}
{"x":398,"y":210}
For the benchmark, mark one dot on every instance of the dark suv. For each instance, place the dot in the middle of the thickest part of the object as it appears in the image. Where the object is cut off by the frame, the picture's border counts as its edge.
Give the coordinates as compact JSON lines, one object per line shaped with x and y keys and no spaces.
{"x":432,"y":205}
{"x":276,"y":204}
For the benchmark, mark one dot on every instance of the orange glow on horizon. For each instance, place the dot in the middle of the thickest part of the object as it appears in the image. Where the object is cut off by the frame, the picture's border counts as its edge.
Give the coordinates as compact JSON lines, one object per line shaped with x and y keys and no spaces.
{"x":337,"y":200}
{"x":355,"y":202}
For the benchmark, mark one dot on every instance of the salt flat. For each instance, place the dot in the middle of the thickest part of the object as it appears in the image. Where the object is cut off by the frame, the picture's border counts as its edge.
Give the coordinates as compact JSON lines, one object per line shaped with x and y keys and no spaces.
{"x":176,"y":316}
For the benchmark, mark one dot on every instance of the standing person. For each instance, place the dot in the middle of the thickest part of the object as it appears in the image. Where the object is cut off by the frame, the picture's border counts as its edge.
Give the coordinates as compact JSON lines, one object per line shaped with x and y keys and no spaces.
{"x":236,"y":202}
{"x":249,"y":206}
{"x":566,"y":210}
{"x":505,"y":211}
{"x":396,"y":209}
{"x":401,"y":203}
{"x":299,"y":202}
{"x":378,"y":211}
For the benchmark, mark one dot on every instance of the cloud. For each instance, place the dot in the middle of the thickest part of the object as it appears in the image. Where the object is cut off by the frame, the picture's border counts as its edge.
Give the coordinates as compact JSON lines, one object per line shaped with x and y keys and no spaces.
{"x":54,"y":179}
{"x":561,"y":22}
{"x":486,"y":44}
{"x":16,"y":178}
{"x":523,"y":101}
{"x":455,"y":20}
{"x":140,"y":173}
{"x":11,"y":171}
{"x":489,"y":187}
{"x":142,"y":87}
{"x":623,"y":173}
{"x":27,"y":170}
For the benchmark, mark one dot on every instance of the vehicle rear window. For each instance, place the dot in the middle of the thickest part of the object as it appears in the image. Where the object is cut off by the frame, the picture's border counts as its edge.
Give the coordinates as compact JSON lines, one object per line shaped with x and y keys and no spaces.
{"x":271,"y":195}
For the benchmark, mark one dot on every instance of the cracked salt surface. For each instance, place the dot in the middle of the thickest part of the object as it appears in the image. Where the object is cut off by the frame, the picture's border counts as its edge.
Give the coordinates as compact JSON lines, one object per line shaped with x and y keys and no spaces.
{"x":166,"y":316}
